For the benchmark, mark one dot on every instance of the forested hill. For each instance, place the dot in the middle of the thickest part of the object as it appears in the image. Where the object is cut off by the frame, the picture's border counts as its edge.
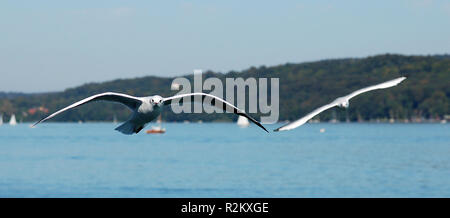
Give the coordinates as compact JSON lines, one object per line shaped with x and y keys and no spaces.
{"x":303,"y":87}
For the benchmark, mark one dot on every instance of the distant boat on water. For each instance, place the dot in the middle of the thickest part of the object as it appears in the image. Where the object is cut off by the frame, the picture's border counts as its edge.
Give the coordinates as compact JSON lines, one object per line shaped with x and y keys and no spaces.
{"x":157,"y":129}
{"x":13,"y":121}
{"x":1,"y":119}
{"x":243,"y":122}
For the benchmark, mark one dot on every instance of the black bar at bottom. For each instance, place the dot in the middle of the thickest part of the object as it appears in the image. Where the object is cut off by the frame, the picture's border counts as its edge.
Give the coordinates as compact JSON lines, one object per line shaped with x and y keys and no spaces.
{"x":210,"y":207}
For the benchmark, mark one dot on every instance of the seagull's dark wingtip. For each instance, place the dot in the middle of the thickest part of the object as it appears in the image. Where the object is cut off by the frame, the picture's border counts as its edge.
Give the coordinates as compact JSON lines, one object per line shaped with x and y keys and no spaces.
{"x":40,"y":121}
{"x":260,"y":125}
{"x":251,"y":119}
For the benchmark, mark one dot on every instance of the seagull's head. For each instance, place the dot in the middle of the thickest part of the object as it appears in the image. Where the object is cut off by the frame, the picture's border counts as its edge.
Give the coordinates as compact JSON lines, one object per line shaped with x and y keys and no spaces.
{"x":156,"y":100}
{"x":344,"y":104}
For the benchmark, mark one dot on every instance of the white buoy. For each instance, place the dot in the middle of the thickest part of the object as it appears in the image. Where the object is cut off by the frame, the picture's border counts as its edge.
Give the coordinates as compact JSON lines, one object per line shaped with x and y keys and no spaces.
{"x":243,"y":122}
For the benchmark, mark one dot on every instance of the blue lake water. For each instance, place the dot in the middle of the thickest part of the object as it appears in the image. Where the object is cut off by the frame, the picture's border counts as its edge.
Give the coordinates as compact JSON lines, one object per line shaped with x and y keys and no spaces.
{"x":223,"y":160}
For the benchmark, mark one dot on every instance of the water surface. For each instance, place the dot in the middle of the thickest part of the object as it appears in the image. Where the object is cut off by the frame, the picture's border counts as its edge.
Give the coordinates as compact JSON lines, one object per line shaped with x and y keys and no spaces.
{"x":223,"y":160}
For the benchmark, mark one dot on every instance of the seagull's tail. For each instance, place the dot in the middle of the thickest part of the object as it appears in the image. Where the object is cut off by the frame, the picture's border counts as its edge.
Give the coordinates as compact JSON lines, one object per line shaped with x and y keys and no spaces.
{"x":129,"y":128}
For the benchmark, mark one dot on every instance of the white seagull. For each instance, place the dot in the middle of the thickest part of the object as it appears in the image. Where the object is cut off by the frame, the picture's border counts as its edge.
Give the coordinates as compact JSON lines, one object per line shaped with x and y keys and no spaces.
{"x":340,"y":102}
{"x":146,"y":109}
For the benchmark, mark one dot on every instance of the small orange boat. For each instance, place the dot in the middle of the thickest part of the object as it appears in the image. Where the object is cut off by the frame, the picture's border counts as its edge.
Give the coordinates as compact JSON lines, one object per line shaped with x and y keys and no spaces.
{"x":157,"y":129}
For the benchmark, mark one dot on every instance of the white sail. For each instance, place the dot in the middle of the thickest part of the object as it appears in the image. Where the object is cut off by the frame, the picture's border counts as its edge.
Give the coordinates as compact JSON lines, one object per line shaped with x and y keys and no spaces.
{"x":158,"y":128}
{"x":243,"y":121}
{"x":1,"y":119}
{"x":13,"y":121}
{"x":159,"y":120}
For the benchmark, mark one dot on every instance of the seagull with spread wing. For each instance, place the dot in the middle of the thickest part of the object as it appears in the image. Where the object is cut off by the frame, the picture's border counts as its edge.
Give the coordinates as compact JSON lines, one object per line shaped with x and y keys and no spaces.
{"x":146,"y":109}
{"x":340,"y":102}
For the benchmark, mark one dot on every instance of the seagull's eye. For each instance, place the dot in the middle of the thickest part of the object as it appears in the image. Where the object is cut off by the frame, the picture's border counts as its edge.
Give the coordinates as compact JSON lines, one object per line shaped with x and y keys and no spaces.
{"x":160,"y":101}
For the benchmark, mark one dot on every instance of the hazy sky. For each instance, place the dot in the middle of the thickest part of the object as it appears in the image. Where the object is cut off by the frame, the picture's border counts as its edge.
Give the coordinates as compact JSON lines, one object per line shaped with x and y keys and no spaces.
{"x":53,"y":45}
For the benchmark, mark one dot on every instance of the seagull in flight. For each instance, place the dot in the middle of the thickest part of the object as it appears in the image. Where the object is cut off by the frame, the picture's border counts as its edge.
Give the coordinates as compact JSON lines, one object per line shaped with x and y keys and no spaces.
{"x":340,"y":102}
{"x":146,"y":109}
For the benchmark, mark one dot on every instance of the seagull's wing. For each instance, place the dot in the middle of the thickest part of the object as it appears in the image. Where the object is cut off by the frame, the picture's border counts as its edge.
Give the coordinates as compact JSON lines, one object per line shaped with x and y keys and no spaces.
{"x":384,"y":85}
{"x":304,"y":119}
{"x":215,"y":101}
{"x":128,"y":100}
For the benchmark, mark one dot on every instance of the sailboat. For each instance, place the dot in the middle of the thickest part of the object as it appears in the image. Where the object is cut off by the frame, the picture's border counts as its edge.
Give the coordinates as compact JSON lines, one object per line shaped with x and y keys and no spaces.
{"x":1,"y":119}
{"x":243,"y":122}
{"x":115,"y":119}
{"x":157,"y":129}
{"x":13,"y":121}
